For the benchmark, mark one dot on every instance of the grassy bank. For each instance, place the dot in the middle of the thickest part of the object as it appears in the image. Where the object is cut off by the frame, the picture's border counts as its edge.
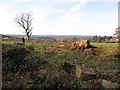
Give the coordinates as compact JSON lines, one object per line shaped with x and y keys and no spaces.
{"x":38,"y":66}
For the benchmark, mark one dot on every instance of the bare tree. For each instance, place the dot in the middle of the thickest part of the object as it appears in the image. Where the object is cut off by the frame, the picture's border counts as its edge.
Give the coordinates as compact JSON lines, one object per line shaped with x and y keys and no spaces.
{"x":25,"y":21}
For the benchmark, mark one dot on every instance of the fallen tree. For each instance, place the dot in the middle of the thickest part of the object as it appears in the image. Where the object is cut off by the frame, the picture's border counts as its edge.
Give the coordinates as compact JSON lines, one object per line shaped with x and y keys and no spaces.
{"x":74,"y":45}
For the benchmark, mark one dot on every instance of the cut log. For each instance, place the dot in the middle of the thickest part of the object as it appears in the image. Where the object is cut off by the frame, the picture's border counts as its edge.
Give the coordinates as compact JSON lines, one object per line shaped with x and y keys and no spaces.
{"x":78,"y":71}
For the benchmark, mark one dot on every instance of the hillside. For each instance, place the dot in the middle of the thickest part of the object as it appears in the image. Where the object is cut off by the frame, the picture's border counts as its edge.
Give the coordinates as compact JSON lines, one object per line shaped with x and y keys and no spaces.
{"x":38,"y":66}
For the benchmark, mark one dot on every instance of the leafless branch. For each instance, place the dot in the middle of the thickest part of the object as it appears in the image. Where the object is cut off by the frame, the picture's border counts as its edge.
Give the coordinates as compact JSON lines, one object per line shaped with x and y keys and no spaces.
{"x":25,"y":21}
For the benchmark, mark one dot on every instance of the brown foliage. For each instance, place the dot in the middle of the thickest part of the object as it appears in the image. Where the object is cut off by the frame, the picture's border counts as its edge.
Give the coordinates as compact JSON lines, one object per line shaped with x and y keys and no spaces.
{"x":74,"y":45}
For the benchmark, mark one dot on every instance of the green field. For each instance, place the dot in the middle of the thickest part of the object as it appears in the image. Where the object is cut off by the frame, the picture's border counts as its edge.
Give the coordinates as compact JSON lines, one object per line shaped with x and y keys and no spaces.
{"x":103,"y":60}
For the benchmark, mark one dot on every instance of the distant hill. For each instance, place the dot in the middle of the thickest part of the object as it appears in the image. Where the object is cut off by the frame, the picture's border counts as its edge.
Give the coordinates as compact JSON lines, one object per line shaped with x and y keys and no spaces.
{"x":47,"y":37}
{"x":5,"y":37}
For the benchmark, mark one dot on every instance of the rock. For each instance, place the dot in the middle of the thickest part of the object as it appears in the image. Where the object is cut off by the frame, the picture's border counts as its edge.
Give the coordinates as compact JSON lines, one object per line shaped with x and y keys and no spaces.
{"x":68,"y":67}
{"x":19,"y":43}
{"x":81,"y":72}
{"x":109,"y":84}
{"x":87,"y":74}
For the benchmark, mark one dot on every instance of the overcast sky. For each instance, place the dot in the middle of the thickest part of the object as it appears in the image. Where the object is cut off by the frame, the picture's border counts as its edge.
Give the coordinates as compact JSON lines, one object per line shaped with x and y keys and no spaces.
{"x":61,"y":17}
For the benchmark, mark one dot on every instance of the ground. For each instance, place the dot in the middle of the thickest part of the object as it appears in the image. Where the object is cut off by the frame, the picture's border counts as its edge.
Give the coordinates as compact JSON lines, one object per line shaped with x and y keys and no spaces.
{"x":38,"y":64}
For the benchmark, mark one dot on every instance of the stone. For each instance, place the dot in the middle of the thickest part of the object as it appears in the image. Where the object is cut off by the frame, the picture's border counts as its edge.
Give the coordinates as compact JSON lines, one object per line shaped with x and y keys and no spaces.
{"x":19,"y":43}
{"x":87,"y":74}
{"x":68,"y":67}
{"x":81,"y":72}
{"x":108,"y":84}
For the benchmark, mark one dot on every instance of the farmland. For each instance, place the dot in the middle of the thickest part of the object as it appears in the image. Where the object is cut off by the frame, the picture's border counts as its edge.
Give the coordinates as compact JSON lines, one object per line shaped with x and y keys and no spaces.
{"x":38,"y":64}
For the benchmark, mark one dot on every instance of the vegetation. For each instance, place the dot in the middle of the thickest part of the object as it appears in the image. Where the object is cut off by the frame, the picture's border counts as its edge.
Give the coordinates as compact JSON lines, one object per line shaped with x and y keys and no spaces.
{"x":117,"y":33}
{"x":101,"y":38}
{"x":36,"y":65}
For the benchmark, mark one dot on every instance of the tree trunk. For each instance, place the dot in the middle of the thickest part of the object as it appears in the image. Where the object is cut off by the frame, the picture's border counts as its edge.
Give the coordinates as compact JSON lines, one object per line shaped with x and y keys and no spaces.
{"x":28,"y":36}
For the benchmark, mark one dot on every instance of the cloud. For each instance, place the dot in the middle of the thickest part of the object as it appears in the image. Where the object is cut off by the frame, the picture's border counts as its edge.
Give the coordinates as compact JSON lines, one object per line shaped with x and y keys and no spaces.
{"x":64,"y":21}
{"x":77,"y":26}
{"x":73,"y":9}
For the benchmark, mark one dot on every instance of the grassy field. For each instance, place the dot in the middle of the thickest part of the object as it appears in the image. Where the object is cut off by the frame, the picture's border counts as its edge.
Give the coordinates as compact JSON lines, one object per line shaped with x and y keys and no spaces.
{"x":103,"y":60}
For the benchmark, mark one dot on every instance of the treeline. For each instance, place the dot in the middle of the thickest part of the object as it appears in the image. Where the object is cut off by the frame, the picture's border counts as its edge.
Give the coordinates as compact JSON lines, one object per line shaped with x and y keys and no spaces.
{"x":102,"y":38}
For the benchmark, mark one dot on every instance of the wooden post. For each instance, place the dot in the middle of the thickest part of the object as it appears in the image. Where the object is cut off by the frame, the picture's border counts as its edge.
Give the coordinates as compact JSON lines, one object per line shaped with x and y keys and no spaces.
{"x":23,"y":40}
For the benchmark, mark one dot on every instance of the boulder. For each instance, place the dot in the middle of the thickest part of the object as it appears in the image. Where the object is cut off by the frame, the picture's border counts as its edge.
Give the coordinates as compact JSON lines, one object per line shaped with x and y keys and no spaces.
{"x":108,"y":84}
{"x":81,"y":72}
{"x":87,"y":73}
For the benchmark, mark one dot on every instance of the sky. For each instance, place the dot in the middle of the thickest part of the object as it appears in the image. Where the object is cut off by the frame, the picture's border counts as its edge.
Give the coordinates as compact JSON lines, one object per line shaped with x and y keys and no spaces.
{"x":61,"y":17}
